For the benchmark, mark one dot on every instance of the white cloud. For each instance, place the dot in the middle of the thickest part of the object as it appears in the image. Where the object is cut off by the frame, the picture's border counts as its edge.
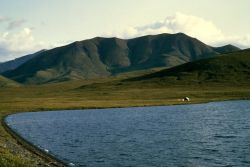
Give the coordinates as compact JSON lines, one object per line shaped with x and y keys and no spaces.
{"x":194,"y":26}
{"x":16,"y":44}
{"x":17,"y":40}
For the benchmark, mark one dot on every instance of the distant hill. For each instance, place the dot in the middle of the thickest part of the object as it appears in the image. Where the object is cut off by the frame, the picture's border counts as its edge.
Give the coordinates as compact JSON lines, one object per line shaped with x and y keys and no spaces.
{"x":100,"y":57}
{"x":13,"y":64}
{"x":226,"y":49}
{"x":4,"y":82}
{"x":228,"y":68}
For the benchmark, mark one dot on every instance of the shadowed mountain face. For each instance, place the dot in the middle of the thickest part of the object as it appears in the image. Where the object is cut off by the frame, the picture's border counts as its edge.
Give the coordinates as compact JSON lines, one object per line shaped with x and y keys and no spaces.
{"x":100,"y":57}
{"x":228,"y":68}
{"x":13,"y":64}
{"x":226,"y":49}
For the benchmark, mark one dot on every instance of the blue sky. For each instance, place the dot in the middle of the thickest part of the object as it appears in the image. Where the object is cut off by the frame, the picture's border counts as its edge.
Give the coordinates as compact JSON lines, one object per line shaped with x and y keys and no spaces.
{"x":27,"y":26}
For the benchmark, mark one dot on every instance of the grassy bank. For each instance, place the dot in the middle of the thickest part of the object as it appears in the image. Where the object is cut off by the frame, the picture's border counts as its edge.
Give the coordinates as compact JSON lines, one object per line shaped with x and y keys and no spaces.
{"x":99,"y":94}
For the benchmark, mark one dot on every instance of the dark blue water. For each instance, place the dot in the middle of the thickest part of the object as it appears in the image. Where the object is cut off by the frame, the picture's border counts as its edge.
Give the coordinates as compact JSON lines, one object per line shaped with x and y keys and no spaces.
{"x":213,"y":134}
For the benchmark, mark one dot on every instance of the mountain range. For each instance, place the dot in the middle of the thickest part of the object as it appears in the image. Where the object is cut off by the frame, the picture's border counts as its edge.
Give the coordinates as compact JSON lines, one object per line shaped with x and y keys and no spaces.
{"x":13,"y":64}
{"x":102,"y":57}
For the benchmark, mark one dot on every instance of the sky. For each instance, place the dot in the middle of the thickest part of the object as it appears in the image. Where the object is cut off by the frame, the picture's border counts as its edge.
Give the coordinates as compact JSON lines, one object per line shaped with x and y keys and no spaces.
{"x":27,"y":26}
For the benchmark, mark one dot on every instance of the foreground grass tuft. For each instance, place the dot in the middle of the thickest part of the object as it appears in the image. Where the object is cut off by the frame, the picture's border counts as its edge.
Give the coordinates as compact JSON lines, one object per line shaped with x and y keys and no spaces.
{"x":9,"y":160}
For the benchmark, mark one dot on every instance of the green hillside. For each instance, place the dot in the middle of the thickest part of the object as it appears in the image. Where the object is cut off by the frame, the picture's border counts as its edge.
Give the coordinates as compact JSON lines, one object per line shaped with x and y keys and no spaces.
{"x":4,"y":82}
{"x":102,"y":57}
{"x":166,"y":87}
{"x":227,"y":68}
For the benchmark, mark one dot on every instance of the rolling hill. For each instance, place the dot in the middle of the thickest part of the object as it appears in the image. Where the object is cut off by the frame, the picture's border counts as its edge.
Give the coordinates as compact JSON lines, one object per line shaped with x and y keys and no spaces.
{"x":4,"y":83}
{"x":226,"y":49}
{"x":101,"y":57}
{"x":228,"y":68}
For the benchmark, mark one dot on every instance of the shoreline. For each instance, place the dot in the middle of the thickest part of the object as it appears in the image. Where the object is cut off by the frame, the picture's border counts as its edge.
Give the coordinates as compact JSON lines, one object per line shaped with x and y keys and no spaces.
{"x":52,"y":160}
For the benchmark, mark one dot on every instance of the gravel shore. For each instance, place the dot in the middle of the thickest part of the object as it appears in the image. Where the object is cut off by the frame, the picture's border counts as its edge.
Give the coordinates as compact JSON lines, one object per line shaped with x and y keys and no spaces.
{"x":15,"y":145}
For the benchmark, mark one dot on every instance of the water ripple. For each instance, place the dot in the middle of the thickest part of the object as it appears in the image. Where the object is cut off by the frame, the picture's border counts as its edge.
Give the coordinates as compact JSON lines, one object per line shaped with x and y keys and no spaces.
{"x":202,"y":135}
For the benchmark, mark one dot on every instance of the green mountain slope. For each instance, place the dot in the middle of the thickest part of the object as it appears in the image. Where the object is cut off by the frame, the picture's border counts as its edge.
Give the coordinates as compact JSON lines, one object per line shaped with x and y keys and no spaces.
{"x":13,"y":64}
{"x":228,"y":68}
{"x":101,"y":57}
{"x":4,"y":82}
